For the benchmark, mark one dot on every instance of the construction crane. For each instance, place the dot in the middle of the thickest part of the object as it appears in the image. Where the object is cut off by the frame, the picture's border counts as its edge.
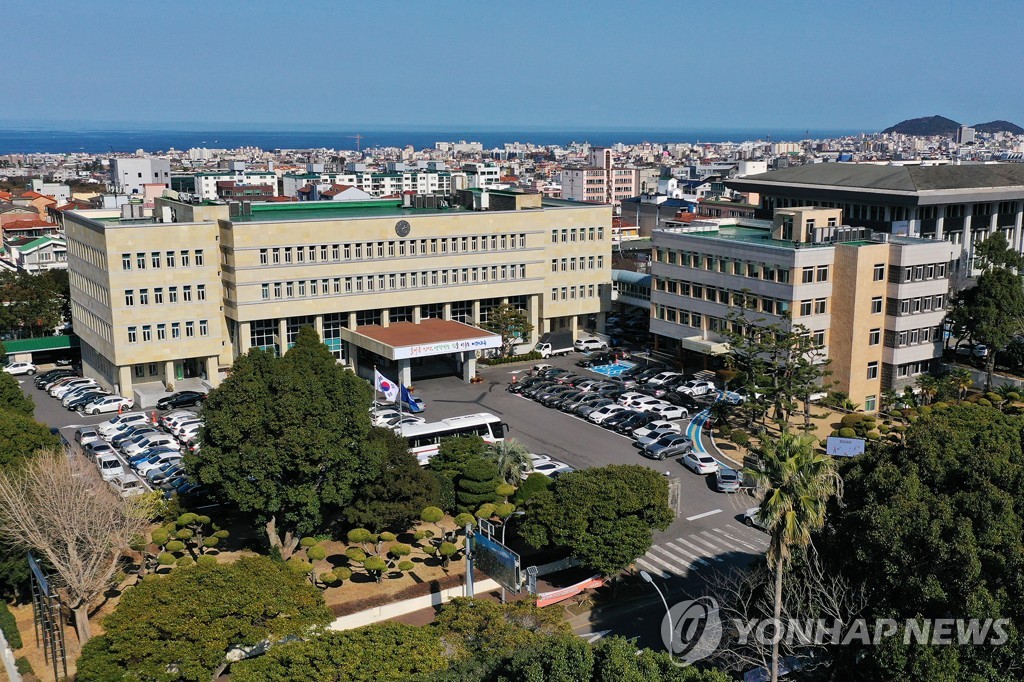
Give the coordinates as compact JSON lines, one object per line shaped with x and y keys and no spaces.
{"x":358,"y":139}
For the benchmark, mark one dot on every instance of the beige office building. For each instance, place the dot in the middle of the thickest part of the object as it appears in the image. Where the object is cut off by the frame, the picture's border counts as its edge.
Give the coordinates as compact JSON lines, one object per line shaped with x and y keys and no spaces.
{"x":181,"y":295}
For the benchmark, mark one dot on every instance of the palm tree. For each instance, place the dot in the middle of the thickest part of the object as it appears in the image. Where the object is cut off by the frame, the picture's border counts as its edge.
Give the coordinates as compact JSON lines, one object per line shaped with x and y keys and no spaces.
{"x":928,"y":384}
{"x":512,"y":458}
{"x":797,"y":482}
{"x":961,"y":380}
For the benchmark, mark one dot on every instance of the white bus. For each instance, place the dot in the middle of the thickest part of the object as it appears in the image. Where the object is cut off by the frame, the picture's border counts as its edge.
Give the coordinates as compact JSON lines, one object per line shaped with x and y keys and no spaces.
{"x":424,"y":439}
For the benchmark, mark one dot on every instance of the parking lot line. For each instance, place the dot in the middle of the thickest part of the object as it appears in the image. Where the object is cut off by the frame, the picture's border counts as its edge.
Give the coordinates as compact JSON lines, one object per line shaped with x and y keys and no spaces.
{"x":701,"y":516}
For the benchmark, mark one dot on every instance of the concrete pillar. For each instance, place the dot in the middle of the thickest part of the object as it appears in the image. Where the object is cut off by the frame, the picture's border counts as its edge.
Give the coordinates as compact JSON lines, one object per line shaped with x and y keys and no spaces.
{"x":352,"y":321}
{"x":968,"y":245}
{"x":124,"y":381}
{"x":318,"y":325}
{"x":404,"y":372}
{"x":533,"y":309}
{"x":385,"y":318}
{"x":476,"y":312}
{"x":416,"y":316}
{"x":468,"y":365}
{"x":1018,"y":228}
{"x":353,"y":356}
{"x":993,"y":222}
{"x":573,"y":326}
{"x":169,"y":372}
{"x":939,"y":224}
{"x":282,"y":334}
{"x":244,"y":337}
{"x":447,"y":311}
{"x":213,"y":371}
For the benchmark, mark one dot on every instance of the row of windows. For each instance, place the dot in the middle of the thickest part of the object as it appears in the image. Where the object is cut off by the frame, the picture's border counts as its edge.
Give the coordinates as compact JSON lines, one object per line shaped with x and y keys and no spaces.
{"x":161,"y":330}
{"x":912,"y":306}
{"x":584,"y":263}
{"x":85,"y":317}
{"x":89,"y":254}
{"x":698,"y":261}
{"x":391,"y":282}
{"x":183,"y":258}
{"x":97,"y":292}
{"x":570,"y":293}
{"x":158,"y":295}
{"x":913,"y":337}
{"x":577,"y":234}
{"x":914,"y":368}
{"x":405,"y":247}
{"x":739,"y":299}
{"x":818,"y":306}
{"x":914,"y":273}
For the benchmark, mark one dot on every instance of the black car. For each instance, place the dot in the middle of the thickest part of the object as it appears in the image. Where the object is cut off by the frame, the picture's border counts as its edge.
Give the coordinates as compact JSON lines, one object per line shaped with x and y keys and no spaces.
{"x":595,"y":360}
{"x":613,"y":421}
{"x":636,"y":421}
{"x":181,"y":399}
{"x":85,"y":399}
{"x":522,"y":385}
{"x":54,"y":374}
{"x":644,"y":376}
{"x":682,"y":400}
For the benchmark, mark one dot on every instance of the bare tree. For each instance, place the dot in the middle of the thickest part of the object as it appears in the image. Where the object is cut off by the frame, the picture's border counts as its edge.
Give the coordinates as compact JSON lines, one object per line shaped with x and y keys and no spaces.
{"x":811,"y":596}
{"x":59,"y":507}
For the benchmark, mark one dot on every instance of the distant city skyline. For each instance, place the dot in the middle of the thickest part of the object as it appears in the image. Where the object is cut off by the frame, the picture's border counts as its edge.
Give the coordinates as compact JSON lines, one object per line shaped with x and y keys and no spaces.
{"x":549,"y":66}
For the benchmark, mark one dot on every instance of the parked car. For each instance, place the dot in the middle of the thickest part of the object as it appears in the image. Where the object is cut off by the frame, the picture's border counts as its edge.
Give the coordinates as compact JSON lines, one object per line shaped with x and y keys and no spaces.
{"x":173,"y":420}
{"x":553,"y":373}
{"x":119,"y":439}
{"x":612,"y":421}
{"x":595,"y":360}
{"x":636,"y":421}
{"x":645,"y":375}
{"x":661,"y":378}
{"x":108,"y":403}
{"x":602,"y":413}
{"x":127,"y":485}
{"x":120,"y":422}
{"x":697,"y":387}
{"x":535,"y":461}
{"x":668,"y":446}
{"x":589,"y":408}
{"x":653,"y":436}
{"x":83,"y":399}
{"x":570,"y":403}
{"x":161,"y":474}
{"x":151,"y":441}
{"x":382,"y":417}
{"x":110,"y":466}
{"x":86,"y":434}
{"x":45,"y":381}
{"x":728,"y":480}
{"x":682,"y":400}
{"x":667,"y":411}
{"x":146,"y":454}
{"x":181,"y":399}
{"x":646,"y":403}
{"x":630,"y":397}
{"x":156,"y":461}
{"x":655,"y":423}
{"x":567,"y":397}
{"x":699,"y":462}
{"x":977,"y":350}
{"x":622,"y":382}
{"x":553,"y":468}
{"x":61,"y":387}
{"x":752,"y":518}
{"x":20,"y":368}
{"x":522,"y":385}
{"x":583,"y":345}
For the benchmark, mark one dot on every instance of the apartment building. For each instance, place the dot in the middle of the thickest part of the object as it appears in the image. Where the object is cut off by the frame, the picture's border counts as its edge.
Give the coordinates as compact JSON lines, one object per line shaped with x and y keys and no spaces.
{"x":129,"y":175}
{"x":381,"y":184}
{"x":384,"y":282}
{"x":209,"y":184}
{"x":874,"y":302}
{"x":600,"y":181}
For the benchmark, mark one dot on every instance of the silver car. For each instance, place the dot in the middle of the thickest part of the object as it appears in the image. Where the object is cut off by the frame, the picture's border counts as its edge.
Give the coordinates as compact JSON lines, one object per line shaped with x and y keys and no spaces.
{"x":669,"y":446}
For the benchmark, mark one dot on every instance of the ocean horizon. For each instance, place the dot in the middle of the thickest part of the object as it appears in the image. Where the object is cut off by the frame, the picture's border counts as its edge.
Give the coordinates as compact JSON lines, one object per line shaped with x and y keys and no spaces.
{"x":66,"y":139}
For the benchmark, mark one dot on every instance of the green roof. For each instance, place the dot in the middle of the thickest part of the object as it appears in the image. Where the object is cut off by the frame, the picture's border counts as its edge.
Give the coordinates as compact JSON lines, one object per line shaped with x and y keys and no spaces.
{"x":42,"y":343}
{"x":344,"y":210}
{"x":752,"y":235}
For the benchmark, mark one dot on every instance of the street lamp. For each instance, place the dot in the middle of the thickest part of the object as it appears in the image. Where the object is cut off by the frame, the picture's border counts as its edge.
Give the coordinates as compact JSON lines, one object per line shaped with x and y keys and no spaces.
{"x":503,"y":527}
{"x":671,"y":642}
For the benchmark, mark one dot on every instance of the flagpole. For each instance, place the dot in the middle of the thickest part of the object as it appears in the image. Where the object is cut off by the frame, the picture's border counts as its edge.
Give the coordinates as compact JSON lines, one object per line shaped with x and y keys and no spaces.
{"x":375,"y":388}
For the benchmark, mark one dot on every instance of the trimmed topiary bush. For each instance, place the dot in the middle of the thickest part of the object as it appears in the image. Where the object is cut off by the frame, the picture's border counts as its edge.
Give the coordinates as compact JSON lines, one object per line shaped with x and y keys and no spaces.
{"x":387,"y":537}
{"x":741,"y":438}
{"x":183,"y":561}
{"x":400,"y":550}
{"x":359,"y":535}
{"x":851,"y":420}
{"x":329,"y":578}
{"x":165,"y":559}
{"x":307,"y":542}
{"x":355,"y":554}
{"x":994,"y":397}
{"x":9,"y":627}
{"x":984,"y":402}
{"x":316,"y":553}
{"x":406,"y":566}
{"x":883,"y":429}
{"x":343,"y":573}
{"x":1013,"y":395}
{"x":873,"y":435}
{"x":23,"y":665}
{"x":298,"y":565}
{"x":175,"y":546}
{"x":847,"y":433}
{"x":462,"y":519}
{"x":206,"y":560}
{"x":924,"y":410}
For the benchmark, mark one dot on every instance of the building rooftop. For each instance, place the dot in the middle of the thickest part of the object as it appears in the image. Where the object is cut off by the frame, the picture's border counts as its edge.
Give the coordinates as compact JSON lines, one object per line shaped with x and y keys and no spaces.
{"x":893,"y":178}
{"x":749,"y":235}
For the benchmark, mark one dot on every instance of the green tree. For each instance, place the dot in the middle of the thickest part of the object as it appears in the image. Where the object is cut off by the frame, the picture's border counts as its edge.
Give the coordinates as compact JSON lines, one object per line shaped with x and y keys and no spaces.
{"x":616,"y":660}
{"x":511,"y":323}
{"x":284,"y":439}
{"x":12,"y":398}
{"x":560,"y":658}
{"x":605,"y":516}
{"x":396,"y":486}
{"x":476,"y":485}
{"x":534,"y":484}
{"x":181,"y":626}
{"x":21,"y":437}
{"x":797,"y":483}
{"x":512,"y":459}
{"x":32,"y":304}
{"x":781,"y":363}
{"x":383,"y":651}
{"x":936,"y":526}
{"x":928,"y":386}
{"x":496,"y":631}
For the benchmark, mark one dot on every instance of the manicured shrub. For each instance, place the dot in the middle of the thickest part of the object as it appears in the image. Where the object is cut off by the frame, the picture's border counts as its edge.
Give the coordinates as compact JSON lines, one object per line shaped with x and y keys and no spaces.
{"x":851,"y":420}
{"x":406,"y":566}
{"x":883,"y":429}
{"x":984,"y":402}
{"x":387,"y":537}
{"x":307,"y":542}
{"x":206,"y":560}
{"x":925,"y":410}
{"x":23,"y":666}
{"x":359,"y":535}
{"x":355,"y":554}
{"x":298,"y":565}
{"x":165,"y":559}
{"x":329,"y":578}
{"x":343,"y":573}
{"x":1013,"y":395}
{"x":741,"y":438}
{"x":175,"y":546}
{"x":465,"y":518}
{"x":9,"y":627}
{"x":994,"y":397}
{"x":873,"y":435}
{"x":316,"y":553}
{"x":847,"y":433}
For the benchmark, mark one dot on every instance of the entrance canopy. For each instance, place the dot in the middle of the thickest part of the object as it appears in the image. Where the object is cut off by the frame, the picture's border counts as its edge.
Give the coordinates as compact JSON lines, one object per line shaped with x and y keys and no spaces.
{"x":407,"y":340}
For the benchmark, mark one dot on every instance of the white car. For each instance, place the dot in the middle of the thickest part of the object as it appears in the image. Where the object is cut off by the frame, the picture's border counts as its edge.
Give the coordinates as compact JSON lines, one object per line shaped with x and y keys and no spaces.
{"x":659,"y":379}
{"x":110,"y":466}
{"x":699,"y":462}
{"x":667,"y":411}
{"x":382,"y":417}
{"x":160,"y":440}
{"x":600,"y":414}
{"x":589,"y":345}
{"x":697,"y":387}
{"x":752,"y":518}
{"x":407,"y":420}
{"x":189,"y":433}
{"x":662,"y":425}
{"x":181,"y":427}
{"x":535,"y":461}
{"x":173,"y":414}
{"x":628,"y":399}
{"x":80,"y":392}
{"x":127,"y":485}
{"x":157,"y":461}
{"x":20,"y":368}
{"x":119,"y":423}
{"x":553,"y":468}
{"x":110,"y":403}
{"x":174,"y":423}
{"x":646,"y":403}
{"x":62,"y":389}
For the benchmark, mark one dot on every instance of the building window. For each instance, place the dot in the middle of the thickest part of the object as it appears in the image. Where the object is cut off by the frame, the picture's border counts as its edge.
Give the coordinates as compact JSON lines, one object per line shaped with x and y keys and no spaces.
{"x":132,"y":334}
{"x":126,"y":261}
{"x":184,"y":259}
{"x":266,"y":291}
{"x":277,"y":290}
{"x":204,"y":327}
{"x":823,"y":273}
{"x":819,"y":338}
{"x":300,"y":255}
{"x":879,"y":272}
{"x":172,"y":294}
{"x":874,"y":337}
{"x":277,"y":256}
{"x":876,"y":305}
{"x":870,"y":403}
{"x":155,"y":259}
{"x":808,"y":275}
{"x":143,"y":296}
{"x":819,"y":306}
{"x":289,"y":289}
{"x":147,"y":332}
{"x":169,"y":257}
{"x":175,"y":330}
{"x":186,"y":293}
{"x":158,"y":295}
{"x":140,"y":371}
{"x":201,"y":292}
{"x":161,"y":332}
{"x":872,"y":370}
{"x":140,"y":261}
{"x":190,"y":329}
{"x":129,"y":297}
{"x":264,"y":259}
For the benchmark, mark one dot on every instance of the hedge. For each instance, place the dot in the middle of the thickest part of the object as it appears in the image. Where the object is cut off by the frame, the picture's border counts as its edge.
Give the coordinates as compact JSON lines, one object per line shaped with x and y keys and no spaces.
{"x":532,"y":355}
{"x":23,"y":666}
{"x":9,"y":627}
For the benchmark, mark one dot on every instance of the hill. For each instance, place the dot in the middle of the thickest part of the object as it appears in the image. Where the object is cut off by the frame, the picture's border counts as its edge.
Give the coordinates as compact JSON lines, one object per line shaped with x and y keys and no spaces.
{"x":999,"y":127}
{"x":925,"y":126}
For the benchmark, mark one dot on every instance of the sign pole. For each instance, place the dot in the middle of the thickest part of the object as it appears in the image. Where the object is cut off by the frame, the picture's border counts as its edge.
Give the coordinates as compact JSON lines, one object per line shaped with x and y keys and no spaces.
{"x":469,"y":561}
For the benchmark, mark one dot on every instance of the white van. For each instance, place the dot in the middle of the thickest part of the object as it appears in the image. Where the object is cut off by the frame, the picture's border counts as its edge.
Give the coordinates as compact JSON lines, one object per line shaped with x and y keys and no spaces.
{"x":116,"y":424}
{"x":110,"y":467}
{"x":127,"y":485}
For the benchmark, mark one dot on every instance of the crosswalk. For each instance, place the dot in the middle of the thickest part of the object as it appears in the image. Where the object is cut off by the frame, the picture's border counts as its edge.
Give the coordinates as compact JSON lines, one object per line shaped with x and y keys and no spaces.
{"x":701,"y":550}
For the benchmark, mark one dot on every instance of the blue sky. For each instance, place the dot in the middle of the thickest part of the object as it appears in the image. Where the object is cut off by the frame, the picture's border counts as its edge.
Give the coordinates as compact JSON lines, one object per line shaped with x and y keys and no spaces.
{"x":558,"y":65}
